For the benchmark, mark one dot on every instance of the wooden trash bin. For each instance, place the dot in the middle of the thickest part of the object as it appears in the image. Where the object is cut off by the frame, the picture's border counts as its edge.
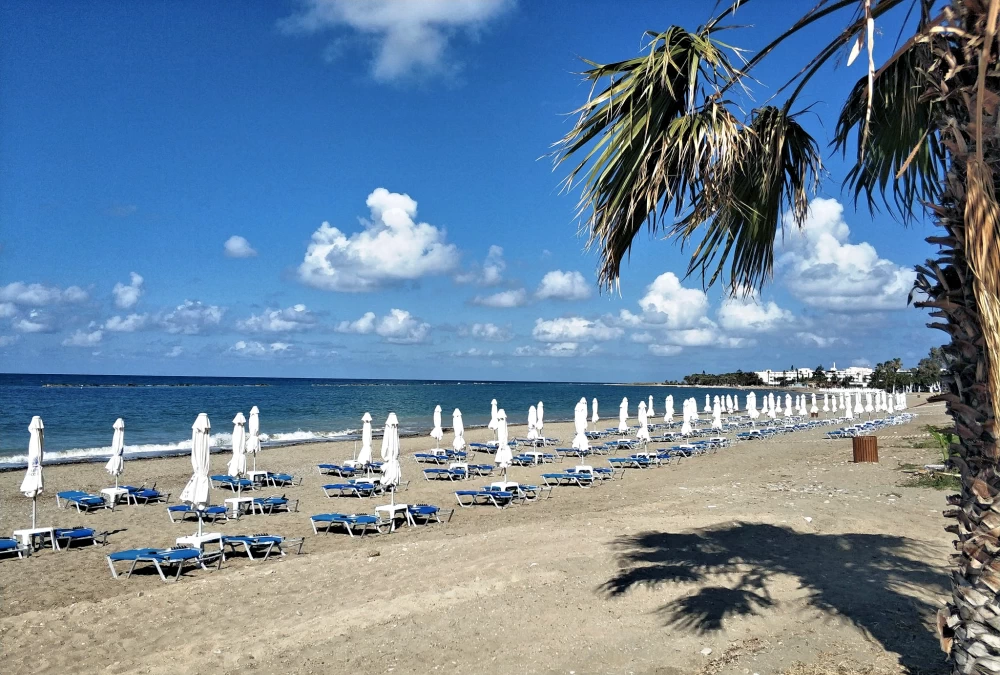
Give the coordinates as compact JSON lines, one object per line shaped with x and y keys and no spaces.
{"x":865,"y":448}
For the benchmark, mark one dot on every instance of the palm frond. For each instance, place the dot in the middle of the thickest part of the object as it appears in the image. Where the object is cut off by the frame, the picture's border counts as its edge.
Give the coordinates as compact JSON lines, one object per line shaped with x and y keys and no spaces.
{"x":900,"y":160}
{"x":643,"y":149}
{"x":779,"y":167}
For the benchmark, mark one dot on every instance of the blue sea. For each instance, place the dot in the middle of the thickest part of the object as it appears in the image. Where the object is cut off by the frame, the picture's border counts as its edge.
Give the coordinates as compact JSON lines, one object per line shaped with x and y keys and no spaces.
{"x":79,"y":410}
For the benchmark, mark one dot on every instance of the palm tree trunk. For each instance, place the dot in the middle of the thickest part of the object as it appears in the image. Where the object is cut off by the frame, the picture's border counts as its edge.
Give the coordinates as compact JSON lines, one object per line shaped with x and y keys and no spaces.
{"x":961,"y":285}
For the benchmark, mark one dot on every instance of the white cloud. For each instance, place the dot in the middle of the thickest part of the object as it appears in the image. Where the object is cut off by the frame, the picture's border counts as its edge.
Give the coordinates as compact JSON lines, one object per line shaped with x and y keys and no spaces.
{"x":812,"y":339}
{"x":574,"y":329}
{"x":822,"y":269}
{"x":192,"y":318}
{"x":503,"y":299}
{"x":474,"y":352}
{"x":38,"y":295}
{"x":665,"y":350}
{"x":238,"y":247}
{"x":490,"y":332}
{"x":35,"y":322}
{"x":126,"y":296}
{"x":558,"y":349}
{"x":704,"y":337}
{"x":294,"y":318}
{"x":7,"y":309}
{"x":363,"y":326}
{"x":641,"y":338}
{"x":391,"y":248}
{"x":174,"y":352}
{"x":411,"y":38}
{"x":84,"y":339}
{"x":669,"y":303}
{"x":747,"y":314}
{"x":560,"y":285}
{"x":8,"y":340}
{"x":127,"y":324}
{"x":251,"y":348}
{"x":399,"y":327}
{"x":490,"y":273}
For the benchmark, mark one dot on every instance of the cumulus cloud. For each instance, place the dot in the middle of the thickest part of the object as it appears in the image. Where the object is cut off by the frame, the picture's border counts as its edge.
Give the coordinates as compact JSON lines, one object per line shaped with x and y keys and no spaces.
{"x":392,"y":248}
{"x":574,"y":329}
{"x":490,"y":273}
{"x":174,"y":352}
{"x":8,"y":340}
{"x":473,"y":352}
{"x":747,"y":314}
{"x":558,"y":350}
{"x":7,"y":310}
{"x":126,"y":324}
{"x":238,"y":247}
{"x":363,"y":326}
{"x":503,"y":299}
{"x":84,"y":339}
{"x":669,"y":303}
{"x":192,"y":318}
{"x":704,"y":337}
{"x":822,"y":269}
{"x":127,"y":295}
{"x":490,"y":332}
{"x":294,"y":318}
{"x":39,"y":295}
{"x":35,"y":322}
{"x":251,"y":348}
{"x":559,"y":285}
{"x":398,"y":327}
{"x":411,"y":38}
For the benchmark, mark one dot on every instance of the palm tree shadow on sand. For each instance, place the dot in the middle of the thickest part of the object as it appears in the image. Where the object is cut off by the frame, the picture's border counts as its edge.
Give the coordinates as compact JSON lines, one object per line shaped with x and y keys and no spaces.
{"x":878,"y":582}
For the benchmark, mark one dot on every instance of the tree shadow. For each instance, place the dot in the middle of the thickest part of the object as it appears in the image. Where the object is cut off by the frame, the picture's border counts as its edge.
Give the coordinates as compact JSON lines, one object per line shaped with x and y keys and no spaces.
{"x":878,"y":582}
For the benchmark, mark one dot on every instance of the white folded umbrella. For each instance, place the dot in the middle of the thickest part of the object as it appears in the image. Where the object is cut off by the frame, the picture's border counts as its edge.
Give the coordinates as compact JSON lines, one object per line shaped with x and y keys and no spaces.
{"x":643,"y":433}
{"x":459,"y":428}
{"x":580,"y":426}
{"x":493,"y":415}
{"x":649,"y":408}
{"x":668,"y":409}
{"x":253,"y":435}
{"x":717,"y":415}
{"x":32,"y":484}
{"x":594,"y":419}
{"x":365,"y":455}
{"x":198,"y":490}
{"x":504,"y":457}
{"x":686,"y":413}
{"x":391,"y":470}
{"x":532,"y":422}
{"x":116,"y":463}
{"x":540,"y":420}
{"x":623,"y":416}
{"x":708,"y":404}
{"x":437,"y":433}
{"x":237,"y":467}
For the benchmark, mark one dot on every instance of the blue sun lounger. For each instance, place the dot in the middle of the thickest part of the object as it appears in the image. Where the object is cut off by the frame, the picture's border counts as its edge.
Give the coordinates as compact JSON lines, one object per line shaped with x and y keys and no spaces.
{"x":498,"y":498}
{"x":263,"y":545}
{"x":282,"y":479}
{"x":161,"y":558}
{"x":68,"y":536}
{"x":146,"y":495}
{"x":358,"y":490}
{"x":83,"y":501}
{"x":337,"y":470}
{"x":234,"y":484}
{"x":584,"y":480}
{"x":280,"y":504}
{"x":10,"y":546}
{"x":181,"y":512}
{"x":350,"y":522}
{"x":426,"y":514}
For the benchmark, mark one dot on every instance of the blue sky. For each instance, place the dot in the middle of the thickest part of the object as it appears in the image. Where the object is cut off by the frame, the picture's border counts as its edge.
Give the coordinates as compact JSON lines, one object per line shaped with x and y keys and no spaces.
{"x":166,"y":170}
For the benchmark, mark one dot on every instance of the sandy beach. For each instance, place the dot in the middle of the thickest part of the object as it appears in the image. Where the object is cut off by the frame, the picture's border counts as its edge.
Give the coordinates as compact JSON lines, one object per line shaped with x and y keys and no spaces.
{"x":778,"y":556}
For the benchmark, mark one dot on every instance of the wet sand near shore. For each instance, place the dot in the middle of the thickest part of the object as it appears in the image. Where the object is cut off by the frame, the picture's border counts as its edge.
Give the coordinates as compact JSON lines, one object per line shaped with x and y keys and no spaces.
{"x":770,"y":554}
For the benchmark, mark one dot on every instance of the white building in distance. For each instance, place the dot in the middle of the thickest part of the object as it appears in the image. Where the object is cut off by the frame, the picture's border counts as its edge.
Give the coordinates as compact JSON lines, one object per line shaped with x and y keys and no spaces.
{"x":857,"y":376}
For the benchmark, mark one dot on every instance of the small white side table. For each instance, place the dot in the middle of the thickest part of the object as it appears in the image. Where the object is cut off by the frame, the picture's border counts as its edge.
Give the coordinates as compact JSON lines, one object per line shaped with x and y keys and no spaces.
{"x":253,"y":475}
{"x":505,"y":485}
{"x":27,"y":536}
{"x":391,"y":510}
{"x":114,"y":495}
{"x":234,"y":504}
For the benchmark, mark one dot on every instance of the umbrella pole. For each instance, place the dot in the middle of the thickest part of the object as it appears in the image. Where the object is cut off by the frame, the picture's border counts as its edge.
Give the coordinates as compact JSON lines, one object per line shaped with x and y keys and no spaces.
{"x":199,"y":523}
{"x":33,"y":511}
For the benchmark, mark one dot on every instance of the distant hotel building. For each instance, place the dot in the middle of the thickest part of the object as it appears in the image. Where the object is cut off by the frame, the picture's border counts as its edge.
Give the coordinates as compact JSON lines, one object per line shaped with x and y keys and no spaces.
{"x":857,"y":376}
